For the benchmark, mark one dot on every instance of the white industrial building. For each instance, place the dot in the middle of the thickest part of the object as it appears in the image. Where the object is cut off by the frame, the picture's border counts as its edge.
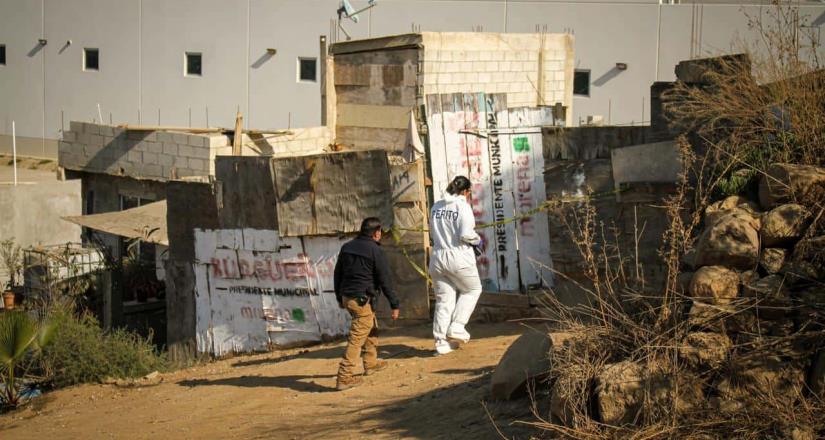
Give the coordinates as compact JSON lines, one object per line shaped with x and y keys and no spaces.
{"x":197,"y":62}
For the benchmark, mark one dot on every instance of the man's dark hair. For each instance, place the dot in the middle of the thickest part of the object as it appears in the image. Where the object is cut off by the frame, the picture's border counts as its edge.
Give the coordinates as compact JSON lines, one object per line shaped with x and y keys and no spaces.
{"x":458,"y":185}
{"x":370,"y":226}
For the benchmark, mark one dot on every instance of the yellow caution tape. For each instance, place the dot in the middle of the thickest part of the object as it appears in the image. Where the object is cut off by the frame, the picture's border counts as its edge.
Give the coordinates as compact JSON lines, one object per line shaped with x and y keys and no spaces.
{"x":547,"y":205}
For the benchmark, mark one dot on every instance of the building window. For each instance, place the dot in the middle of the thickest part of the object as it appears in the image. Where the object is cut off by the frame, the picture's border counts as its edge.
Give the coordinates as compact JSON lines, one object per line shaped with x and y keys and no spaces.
{"x":307,"y":69}
{"x":194,"y":64}
{"x":2,"y":54}
{"x":581,"y":83}
{"x":91,"y":59}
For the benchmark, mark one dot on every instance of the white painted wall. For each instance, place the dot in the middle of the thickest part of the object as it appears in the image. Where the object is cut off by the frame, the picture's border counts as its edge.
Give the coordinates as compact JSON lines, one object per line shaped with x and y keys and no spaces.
{"x":142,"y":45}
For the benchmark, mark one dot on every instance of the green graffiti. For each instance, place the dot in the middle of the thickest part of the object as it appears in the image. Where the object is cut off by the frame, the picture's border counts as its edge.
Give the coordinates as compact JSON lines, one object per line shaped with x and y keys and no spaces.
{"x":521,"y":145}
{"x":298,"y":315}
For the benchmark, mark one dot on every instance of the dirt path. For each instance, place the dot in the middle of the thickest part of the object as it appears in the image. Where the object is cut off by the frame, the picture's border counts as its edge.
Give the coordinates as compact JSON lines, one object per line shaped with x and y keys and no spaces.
{"x":289,"y":395}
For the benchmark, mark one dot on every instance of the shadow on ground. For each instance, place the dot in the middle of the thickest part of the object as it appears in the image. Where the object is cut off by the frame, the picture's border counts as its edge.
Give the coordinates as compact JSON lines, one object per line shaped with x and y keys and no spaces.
{"x":451,"y":412}
{"x":389,"y":351}
{"x":302,"y":383}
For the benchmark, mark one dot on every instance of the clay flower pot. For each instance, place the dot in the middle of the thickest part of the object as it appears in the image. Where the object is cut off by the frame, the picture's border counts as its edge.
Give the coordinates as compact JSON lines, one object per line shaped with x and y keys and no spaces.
{"x":8,"y":299}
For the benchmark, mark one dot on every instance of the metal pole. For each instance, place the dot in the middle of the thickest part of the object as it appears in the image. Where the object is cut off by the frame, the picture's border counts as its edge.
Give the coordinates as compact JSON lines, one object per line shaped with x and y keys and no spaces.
{"x":14,"y":150}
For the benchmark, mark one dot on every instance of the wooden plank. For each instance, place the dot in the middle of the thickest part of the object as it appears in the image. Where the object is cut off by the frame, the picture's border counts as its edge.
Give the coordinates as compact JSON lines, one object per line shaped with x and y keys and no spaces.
{"x":237,"y":142}
{"x":376,"y":44}
{"x":438,"y":155}
{"x":131,"y":127}
{"x":501,"y":191}
{"x":527,"y":176}
{"x":477,"y":161}
{"x":363,"y":138}
{"x":398,"y":96}
{"x":373,"y":116}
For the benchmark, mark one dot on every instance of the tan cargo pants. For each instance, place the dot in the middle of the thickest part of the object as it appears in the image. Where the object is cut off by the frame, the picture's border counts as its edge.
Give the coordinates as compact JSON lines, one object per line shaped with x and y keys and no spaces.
{"x":363,"y":338}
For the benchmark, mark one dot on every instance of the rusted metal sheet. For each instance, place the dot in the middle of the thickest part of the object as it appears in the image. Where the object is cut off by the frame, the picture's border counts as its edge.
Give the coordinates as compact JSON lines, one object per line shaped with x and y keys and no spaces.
{"x":332,"y":193}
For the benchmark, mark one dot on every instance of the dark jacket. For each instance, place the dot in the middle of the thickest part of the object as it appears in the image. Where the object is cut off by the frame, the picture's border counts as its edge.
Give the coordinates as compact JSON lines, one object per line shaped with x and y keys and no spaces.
{"x":361,"y":270}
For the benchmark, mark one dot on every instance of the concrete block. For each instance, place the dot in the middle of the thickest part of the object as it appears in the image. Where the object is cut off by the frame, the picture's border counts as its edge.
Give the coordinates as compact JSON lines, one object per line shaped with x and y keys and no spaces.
{"x":485,"y":55}
{"x":153,"y":147}
{"x":484,"y":77}
{"x":166,"y":160}
{"x":198,"y":164}
{"x":180,"y":138}
{"x":96,"y":139}
{"x":186,"y":150}
{"x":69,"y":136}
{"x":150,"y":158}
{"x":153,"y":170}
{"x":76,"y":126}
{"x":136,"y":135}
{"x":218,"y":141}
{"x":135,"y":157}
{"x":107,"y":130}
{"x":165,"y":136}
{"x":472,"y":55}
{"x":91,"y":128}
{"x":64,"y":147}
{"x":108,"y":141}
{"x":445,"y":55}
{"x":198,"y":141}
{"x":83,"y":138}
{"x":170,"y":148}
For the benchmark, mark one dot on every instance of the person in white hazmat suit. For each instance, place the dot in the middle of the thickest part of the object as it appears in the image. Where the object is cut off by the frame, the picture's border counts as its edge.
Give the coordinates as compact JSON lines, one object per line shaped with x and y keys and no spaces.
{"x":453,"y":265}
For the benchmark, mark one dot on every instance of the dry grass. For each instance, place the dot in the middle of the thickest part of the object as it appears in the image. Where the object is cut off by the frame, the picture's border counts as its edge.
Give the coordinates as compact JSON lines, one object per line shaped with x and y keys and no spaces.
{"x":740,"y":123}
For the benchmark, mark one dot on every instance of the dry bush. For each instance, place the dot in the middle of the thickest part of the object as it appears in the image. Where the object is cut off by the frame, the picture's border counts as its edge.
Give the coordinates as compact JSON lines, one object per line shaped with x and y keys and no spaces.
{"x":743,"y":118}
{"x":769,"y":108}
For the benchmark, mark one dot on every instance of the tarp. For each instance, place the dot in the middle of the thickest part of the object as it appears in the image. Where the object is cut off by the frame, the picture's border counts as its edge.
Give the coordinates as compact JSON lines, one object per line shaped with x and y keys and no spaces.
{"x":147,"y":222}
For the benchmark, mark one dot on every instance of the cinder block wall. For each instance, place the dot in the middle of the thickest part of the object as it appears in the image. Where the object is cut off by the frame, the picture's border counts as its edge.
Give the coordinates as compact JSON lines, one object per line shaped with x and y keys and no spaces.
{"x":159,"y":155}
{"x":164,"y":155}
{"x":532,"y":69}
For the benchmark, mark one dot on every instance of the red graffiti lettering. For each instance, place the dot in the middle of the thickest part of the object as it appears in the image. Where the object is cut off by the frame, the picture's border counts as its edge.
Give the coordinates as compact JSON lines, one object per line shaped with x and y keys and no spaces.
{"x":216,"y":267}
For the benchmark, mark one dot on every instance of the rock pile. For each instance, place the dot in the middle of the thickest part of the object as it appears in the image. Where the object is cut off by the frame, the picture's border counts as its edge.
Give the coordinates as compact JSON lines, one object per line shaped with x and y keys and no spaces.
{"x":754,"y":314}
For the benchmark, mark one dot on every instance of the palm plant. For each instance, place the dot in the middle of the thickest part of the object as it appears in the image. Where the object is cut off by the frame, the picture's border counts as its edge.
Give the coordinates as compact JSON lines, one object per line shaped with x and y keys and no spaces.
{"x":21,"y":337}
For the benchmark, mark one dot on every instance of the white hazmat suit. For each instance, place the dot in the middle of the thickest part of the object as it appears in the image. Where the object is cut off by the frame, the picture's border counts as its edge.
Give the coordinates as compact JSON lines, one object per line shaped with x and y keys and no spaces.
{"x":453,"y":269}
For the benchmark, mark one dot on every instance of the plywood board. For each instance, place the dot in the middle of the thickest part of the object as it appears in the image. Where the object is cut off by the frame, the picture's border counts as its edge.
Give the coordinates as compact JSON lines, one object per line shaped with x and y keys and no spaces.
{"x":476,"y":161}
{"x":504,"y":239}
{"x":249,"y":298}
{"x":438,"y":154}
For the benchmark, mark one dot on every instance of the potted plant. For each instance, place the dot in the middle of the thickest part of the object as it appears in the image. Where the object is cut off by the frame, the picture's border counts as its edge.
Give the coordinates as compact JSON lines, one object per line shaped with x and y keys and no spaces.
{"x":11,"y":257}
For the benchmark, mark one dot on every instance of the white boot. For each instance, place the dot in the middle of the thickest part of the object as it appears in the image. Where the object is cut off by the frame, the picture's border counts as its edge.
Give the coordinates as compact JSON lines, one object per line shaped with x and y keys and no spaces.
{"x":442,"y":347}
{"x":458,"y":333}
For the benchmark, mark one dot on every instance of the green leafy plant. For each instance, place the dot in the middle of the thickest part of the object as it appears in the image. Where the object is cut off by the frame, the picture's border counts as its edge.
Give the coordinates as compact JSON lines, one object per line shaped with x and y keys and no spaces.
{"x":21,"y":338}
{"x":82,"y":352}
{"x":11,"y":257}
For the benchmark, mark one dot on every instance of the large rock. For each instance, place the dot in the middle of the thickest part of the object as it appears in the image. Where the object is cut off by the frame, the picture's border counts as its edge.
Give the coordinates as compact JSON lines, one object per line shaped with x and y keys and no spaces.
{"x":770,"y":296}
{"x":714,"y":211}
{"x":623,"y":390}
{"x":528,"y":357}
{"x":722,"y":318}
{"x":715,"y":284}
{"x":783,"y":183}
{"x":772,"y":259}
{"x":705,"y":350}
{"x":732,"y":240}
{"x":752,"y":380}
{"x":784,"y":225}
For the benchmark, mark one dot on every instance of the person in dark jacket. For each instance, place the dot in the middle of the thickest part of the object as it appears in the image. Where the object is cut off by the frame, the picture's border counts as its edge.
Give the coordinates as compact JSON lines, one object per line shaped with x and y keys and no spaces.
{"x":360,"y":272}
